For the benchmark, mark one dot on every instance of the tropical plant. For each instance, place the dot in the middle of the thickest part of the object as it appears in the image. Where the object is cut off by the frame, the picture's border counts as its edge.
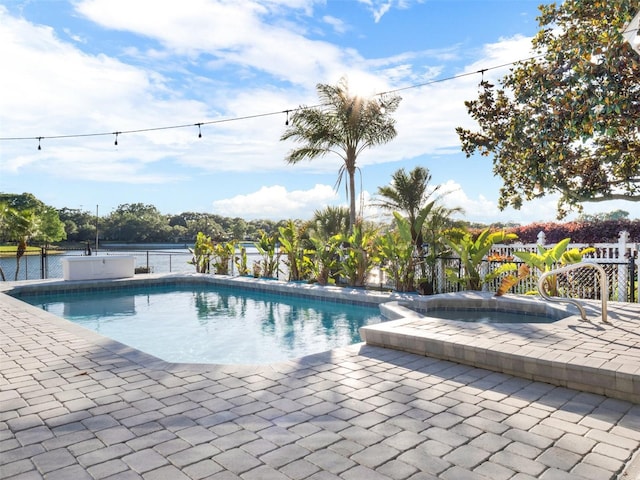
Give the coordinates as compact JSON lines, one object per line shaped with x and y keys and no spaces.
{"x":222,"y":256}
{"x":324,"y":228}
{"x":472,"y":251}
{"x":566,"y":119}
{"x":408,"y":194}
{"x":326,"y":258}
{"x":292,"y":244}
{"x":437,"y":227}
{"x":398,"y":253}
{"x":545,"y":260}
{"x":201,"y":253}
{"x":267,"y":245}
{"x":241,"y":262}
{"x":330,"y":221}
{"x":359,"y":254}
{"x":345,"y":125}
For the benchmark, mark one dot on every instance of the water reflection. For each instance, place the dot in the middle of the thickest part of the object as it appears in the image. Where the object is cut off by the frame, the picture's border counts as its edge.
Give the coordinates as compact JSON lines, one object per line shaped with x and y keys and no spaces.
{"x":213,"y":324}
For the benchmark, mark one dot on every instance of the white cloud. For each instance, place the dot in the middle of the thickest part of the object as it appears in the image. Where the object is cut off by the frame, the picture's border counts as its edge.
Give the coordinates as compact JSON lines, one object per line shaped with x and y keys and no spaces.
{"x":378,"y":8}
{"x":234,"y":33}
{"x":275,"y":202}
{"x":338,"y":25}
{"x":485,"y":210}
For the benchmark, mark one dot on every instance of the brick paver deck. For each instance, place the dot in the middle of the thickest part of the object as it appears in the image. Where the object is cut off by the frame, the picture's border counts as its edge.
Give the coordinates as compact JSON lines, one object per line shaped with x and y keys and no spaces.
{"x":74,"y":405}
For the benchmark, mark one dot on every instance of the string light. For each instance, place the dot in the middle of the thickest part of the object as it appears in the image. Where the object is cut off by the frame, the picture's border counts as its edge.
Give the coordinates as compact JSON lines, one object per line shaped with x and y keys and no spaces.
{"x":482,"y":73}
{"x":259,"y":115}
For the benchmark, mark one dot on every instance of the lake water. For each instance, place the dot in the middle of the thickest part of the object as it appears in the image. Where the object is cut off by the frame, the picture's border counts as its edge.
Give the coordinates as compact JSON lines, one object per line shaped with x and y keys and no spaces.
{"x":170,"y":260}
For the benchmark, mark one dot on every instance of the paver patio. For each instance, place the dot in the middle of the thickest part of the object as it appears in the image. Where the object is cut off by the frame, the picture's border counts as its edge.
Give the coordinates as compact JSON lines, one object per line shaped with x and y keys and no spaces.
{"x":74,"y":405}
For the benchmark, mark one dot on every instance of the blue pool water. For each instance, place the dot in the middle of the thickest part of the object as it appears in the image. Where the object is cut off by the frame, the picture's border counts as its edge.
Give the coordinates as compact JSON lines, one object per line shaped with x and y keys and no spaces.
{"x":489,"y":316}
{"x":212,"y":324}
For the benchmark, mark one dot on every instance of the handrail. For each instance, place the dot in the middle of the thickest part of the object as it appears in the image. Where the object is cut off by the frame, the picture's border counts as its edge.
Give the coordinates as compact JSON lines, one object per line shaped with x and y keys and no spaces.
{"x":604,"y":287}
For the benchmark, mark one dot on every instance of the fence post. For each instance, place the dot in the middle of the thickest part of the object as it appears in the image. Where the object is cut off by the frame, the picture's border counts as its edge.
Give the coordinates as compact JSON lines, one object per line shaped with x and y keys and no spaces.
{"x":632,"y":277}
{"x":623,"y":237}
{"x":43,"y":256}
{"x":542,"y":239}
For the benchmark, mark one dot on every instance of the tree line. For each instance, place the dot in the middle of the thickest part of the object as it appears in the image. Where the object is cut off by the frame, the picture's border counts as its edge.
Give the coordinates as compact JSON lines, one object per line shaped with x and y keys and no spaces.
{"x":143,"y":223}
{"x":25,"y":215}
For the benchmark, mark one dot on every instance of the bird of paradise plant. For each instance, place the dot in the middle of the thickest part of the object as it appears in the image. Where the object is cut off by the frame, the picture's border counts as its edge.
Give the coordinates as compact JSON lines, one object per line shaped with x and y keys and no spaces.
{"x":359,"y":255}
{"x":266,"y":246}
{"x":472,"y":253}
{"x":202,"y":251}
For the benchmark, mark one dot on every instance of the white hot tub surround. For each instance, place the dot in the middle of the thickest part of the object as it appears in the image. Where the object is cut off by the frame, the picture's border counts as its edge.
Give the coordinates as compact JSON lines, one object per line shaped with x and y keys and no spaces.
{"x":96,"y":268}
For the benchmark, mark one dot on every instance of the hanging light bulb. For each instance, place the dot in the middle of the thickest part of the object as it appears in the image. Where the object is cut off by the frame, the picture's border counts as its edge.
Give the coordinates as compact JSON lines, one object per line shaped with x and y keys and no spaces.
{"x":116,"y":142}
{"x":382,"y":106}
{"x":199,"y":131}
{"x":39,"y":139}
{"x":286,"y":122}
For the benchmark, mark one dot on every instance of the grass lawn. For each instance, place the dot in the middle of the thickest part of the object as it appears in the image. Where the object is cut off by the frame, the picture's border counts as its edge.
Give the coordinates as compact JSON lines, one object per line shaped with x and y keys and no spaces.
{"x":10,"y":250}
{"x":13,"y":248}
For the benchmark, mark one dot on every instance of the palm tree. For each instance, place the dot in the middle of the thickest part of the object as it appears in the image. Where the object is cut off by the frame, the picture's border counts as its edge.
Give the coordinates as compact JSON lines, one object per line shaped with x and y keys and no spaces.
{"x":5,"y":212}
{"x":326,"y":228}
{"x":408,"y":194}
{"x":330,"y":221}
{"x":345,"y":125}
{"x":21,"y":226}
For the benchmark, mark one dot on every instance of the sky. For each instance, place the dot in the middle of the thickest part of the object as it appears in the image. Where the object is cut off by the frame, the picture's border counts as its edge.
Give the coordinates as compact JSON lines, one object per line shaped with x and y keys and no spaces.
{"x":85,"y":69}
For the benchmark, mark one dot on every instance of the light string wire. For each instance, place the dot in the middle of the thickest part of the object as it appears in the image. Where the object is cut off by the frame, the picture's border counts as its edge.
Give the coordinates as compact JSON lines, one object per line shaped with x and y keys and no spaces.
{"x":288,"y":111}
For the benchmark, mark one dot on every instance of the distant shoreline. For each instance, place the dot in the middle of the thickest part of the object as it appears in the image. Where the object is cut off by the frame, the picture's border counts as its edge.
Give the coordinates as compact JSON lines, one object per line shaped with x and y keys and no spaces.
{"x":144,"y":246}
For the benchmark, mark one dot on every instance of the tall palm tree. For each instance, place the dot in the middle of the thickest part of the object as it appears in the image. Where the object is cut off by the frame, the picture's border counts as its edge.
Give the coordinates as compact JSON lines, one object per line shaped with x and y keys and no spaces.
{"x":408,"y":194}
{"x":345,"y":125}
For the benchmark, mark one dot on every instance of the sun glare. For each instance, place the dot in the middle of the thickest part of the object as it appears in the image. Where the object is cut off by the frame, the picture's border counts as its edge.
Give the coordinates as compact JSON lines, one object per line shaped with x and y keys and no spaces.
{"x":363,"y":85}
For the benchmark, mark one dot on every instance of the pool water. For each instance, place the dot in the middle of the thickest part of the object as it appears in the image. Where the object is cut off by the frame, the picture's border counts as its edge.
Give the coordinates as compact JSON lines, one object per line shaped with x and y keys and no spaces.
{"x":488,"y":316}
{"x":212,"y":324}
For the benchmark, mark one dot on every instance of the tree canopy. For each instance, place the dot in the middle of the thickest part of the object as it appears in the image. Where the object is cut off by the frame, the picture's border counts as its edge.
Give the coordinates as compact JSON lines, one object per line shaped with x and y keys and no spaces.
{"x":566,"y":120}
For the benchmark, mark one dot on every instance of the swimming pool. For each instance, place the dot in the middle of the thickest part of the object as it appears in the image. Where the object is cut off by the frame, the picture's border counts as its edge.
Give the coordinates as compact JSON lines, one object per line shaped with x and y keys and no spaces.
{"x":478,"y":307}
{"x":489,"y":316}
{"x":207,"y":323}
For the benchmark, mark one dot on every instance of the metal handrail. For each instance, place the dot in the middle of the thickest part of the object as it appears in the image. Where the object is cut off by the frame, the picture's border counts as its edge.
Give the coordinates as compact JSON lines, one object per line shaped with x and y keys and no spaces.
{"x":604,"y":287}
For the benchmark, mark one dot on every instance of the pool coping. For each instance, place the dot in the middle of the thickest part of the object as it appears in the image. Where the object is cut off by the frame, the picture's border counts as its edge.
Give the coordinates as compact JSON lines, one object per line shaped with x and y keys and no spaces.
{"x":587,"y":356}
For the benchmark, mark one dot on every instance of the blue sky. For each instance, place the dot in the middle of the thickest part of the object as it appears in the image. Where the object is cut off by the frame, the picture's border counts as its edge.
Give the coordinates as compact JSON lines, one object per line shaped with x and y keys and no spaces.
{"x":95,"y":66}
